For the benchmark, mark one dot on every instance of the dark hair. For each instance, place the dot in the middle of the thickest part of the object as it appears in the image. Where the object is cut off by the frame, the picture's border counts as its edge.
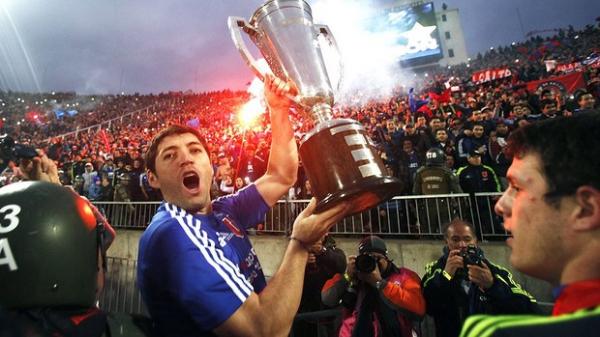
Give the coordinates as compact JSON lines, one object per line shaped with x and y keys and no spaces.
{"x":580,"y":94}
{"x":545,"y":102}
{"x":569,"y":151}
{"x":477,"y":124}
{"x":150,"y":155}
{"x":459,"y":221}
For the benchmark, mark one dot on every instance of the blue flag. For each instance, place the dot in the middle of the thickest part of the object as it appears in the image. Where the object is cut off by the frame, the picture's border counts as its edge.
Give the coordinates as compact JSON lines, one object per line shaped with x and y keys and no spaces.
{"x":193,"y":123}
{"x":59,"y":113}
{"x":413,"y":103}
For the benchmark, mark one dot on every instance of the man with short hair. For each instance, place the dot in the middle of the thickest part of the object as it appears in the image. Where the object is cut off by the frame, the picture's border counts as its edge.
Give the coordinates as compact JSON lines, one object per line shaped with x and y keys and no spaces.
{"x":442,"y":142}
{"x":586,"y":102}
{"x":548,"y":109}
{"x":476,"y":177}
{"x":476,"y":141}
{"x":552,"y":210}
{"x":197,"y":270}
{"x":408,"y":164}
{"x":462,"y":282}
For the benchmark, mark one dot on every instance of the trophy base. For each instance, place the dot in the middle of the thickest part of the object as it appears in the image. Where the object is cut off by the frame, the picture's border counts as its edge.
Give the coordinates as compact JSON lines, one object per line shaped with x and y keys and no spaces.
{"x":342,"y":165}
{"x":368,"y":193}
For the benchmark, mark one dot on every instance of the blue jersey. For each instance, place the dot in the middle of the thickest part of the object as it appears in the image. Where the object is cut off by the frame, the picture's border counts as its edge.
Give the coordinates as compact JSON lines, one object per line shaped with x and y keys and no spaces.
{"x":195,"y":270}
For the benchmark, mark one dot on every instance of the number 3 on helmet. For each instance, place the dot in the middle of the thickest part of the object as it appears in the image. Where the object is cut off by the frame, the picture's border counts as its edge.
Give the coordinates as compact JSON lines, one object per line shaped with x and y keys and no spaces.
{"x":49,"y":244}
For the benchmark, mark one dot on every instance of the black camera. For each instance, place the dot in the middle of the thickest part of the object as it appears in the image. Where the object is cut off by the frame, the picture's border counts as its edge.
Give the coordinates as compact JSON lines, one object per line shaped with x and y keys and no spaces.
{"x":365,"y":263}
{"x":472,"y":255}
{"x":10,"y":150}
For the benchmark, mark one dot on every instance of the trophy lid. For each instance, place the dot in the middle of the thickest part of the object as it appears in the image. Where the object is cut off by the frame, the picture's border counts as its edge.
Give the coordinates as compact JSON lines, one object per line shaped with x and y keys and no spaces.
{"x":273,"y":5}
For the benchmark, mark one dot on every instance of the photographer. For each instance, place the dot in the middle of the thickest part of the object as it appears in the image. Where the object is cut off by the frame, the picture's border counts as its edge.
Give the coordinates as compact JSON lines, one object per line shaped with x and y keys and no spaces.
{"x":462,"y":282}
{"x":379,"y":298}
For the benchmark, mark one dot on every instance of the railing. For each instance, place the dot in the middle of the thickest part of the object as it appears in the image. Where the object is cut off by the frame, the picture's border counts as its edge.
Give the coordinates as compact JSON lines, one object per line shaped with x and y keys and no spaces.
{"x":401,"y":217}
{"x":120,"y":288}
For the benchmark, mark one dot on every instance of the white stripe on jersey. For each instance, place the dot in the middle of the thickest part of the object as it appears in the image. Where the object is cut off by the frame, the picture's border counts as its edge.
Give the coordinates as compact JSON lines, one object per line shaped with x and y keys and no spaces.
{"x":238,"y":284}
{"x":194,"y":224}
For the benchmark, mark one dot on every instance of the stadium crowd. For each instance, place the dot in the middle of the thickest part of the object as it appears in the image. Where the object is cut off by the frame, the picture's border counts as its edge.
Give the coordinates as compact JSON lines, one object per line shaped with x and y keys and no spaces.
{"x":98,"y":141}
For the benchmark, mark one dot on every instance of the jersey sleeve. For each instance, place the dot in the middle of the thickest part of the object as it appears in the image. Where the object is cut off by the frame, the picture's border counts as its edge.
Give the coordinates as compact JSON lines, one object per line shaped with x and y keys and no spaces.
{"x":247,"y":206}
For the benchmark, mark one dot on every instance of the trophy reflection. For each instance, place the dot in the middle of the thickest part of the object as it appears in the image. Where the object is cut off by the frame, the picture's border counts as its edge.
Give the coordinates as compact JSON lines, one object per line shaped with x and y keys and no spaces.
{"x":340,"y":160}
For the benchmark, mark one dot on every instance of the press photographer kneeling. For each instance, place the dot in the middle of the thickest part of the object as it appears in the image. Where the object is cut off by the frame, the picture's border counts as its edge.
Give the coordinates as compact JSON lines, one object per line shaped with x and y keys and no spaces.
{"x":462,"y":282}
{"x":379,"y":298}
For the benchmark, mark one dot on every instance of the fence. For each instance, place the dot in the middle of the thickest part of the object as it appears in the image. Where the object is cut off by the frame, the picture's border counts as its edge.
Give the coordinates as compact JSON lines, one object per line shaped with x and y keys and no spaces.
{"x":122,"y":296}
{"x":401,"y":217}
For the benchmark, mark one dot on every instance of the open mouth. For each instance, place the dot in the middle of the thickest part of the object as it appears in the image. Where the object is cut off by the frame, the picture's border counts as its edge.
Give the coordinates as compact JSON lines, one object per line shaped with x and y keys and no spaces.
{"x":191,"y":180}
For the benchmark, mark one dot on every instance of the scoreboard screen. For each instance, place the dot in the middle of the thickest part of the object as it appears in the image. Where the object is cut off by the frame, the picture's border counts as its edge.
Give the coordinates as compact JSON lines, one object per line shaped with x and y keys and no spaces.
{"x":413,"y":32}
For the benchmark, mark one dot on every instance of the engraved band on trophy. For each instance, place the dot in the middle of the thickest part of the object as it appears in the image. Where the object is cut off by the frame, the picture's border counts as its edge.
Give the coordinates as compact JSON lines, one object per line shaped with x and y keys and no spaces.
{"x":339,"y":158}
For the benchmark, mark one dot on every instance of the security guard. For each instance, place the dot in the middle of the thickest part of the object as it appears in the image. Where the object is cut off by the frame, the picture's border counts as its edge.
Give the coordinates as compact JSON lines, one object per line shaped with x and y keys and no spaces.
{"x":435,"y":177}
{"x":432,"y":179}
{"x":52,"y":266}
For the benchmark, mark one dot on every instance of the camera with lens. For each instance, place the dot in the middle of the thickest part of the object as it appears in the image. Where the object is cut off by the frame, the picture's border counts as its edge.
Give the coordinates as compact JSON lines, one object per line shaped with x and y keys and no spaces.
{"x":365,"y":263}
{"x":10,"y":150}
{"x":472,"y":255}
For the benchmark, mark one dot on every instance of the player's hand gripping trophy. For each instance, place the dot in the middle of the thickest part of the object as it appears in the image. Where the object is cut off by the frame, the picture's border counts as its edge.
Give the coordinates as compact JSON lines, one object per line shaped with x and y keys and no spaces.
{"x":339,"y":158}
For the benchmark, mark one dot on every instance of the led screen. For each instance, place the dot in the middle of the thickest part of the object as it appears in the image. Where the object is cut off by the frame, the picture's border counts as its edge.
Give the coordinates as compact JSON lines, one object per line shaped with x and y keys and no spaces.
{"x":413,"y":31}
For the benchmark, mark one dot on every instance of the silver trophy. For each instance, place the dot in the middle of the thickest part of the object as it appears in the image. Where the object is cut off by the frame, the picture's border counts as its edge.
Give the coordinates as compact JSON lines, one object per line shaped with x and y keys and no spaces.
{"x":338,"y":156}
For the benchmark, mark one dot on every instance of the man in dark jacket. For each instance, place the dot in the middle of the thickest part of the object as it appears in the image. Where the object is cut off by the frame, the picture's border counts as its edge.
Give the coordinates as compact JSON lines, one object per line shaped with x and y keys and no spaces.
{"x":324,"y":261}
{"x":462,"y":282}
{"x":475,"y":178}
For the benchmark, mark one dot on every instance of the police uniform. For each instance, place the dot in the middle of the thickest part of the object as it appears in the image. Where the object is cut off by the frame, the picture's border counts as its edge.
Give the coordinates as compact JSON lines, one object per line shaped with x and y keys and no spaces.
{"x":50,"y":242}
{"x":433,"y":179}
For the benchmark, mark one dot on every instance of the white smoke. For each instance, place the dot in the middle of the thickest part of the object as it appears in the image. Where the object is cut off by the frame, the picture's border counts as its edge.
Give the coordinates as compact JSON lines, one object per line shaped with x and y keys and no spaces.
{"x":371,"y":71}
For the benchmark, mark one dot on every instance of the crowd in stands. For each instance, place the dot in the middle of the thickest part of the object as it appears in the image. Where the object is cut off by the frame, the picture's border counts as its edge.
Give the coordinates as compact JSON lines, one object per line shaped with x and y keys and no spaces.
{"x":99,"y":141}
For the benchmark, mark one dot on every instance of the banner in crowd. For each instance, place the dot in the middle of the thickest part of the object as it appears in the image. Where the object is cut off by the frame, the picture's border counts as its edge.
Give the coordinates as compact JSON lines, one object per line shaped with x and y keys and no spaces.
{"x":488,"y":75}
{"x":565,"y":68}
{"x":565,"y":84}
{"x":569,"y":67}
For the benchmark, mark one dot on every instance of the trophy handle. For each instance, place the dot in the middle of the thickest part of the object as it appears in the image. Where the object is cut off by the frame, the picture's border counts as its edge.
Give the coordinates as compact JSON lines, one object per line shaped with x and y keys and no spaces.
{"x":236,"y":25}
{"x":326,"y":32}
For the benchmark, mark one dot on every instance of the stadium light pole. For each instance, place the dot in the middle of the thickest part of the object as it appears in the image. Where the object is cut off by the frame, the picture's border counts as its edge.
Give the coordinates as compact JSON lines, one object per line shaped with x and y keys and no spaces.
{"x":521,"y":23}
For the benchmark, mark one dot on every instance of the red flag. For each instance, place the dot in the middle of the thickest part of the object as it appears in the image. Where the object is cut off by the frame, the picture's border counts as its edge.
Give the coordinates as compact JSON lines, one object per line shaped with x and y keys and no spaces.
{"x":444,"y":97}
{"x":566,"y":84}
{"x":105,"y":140}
